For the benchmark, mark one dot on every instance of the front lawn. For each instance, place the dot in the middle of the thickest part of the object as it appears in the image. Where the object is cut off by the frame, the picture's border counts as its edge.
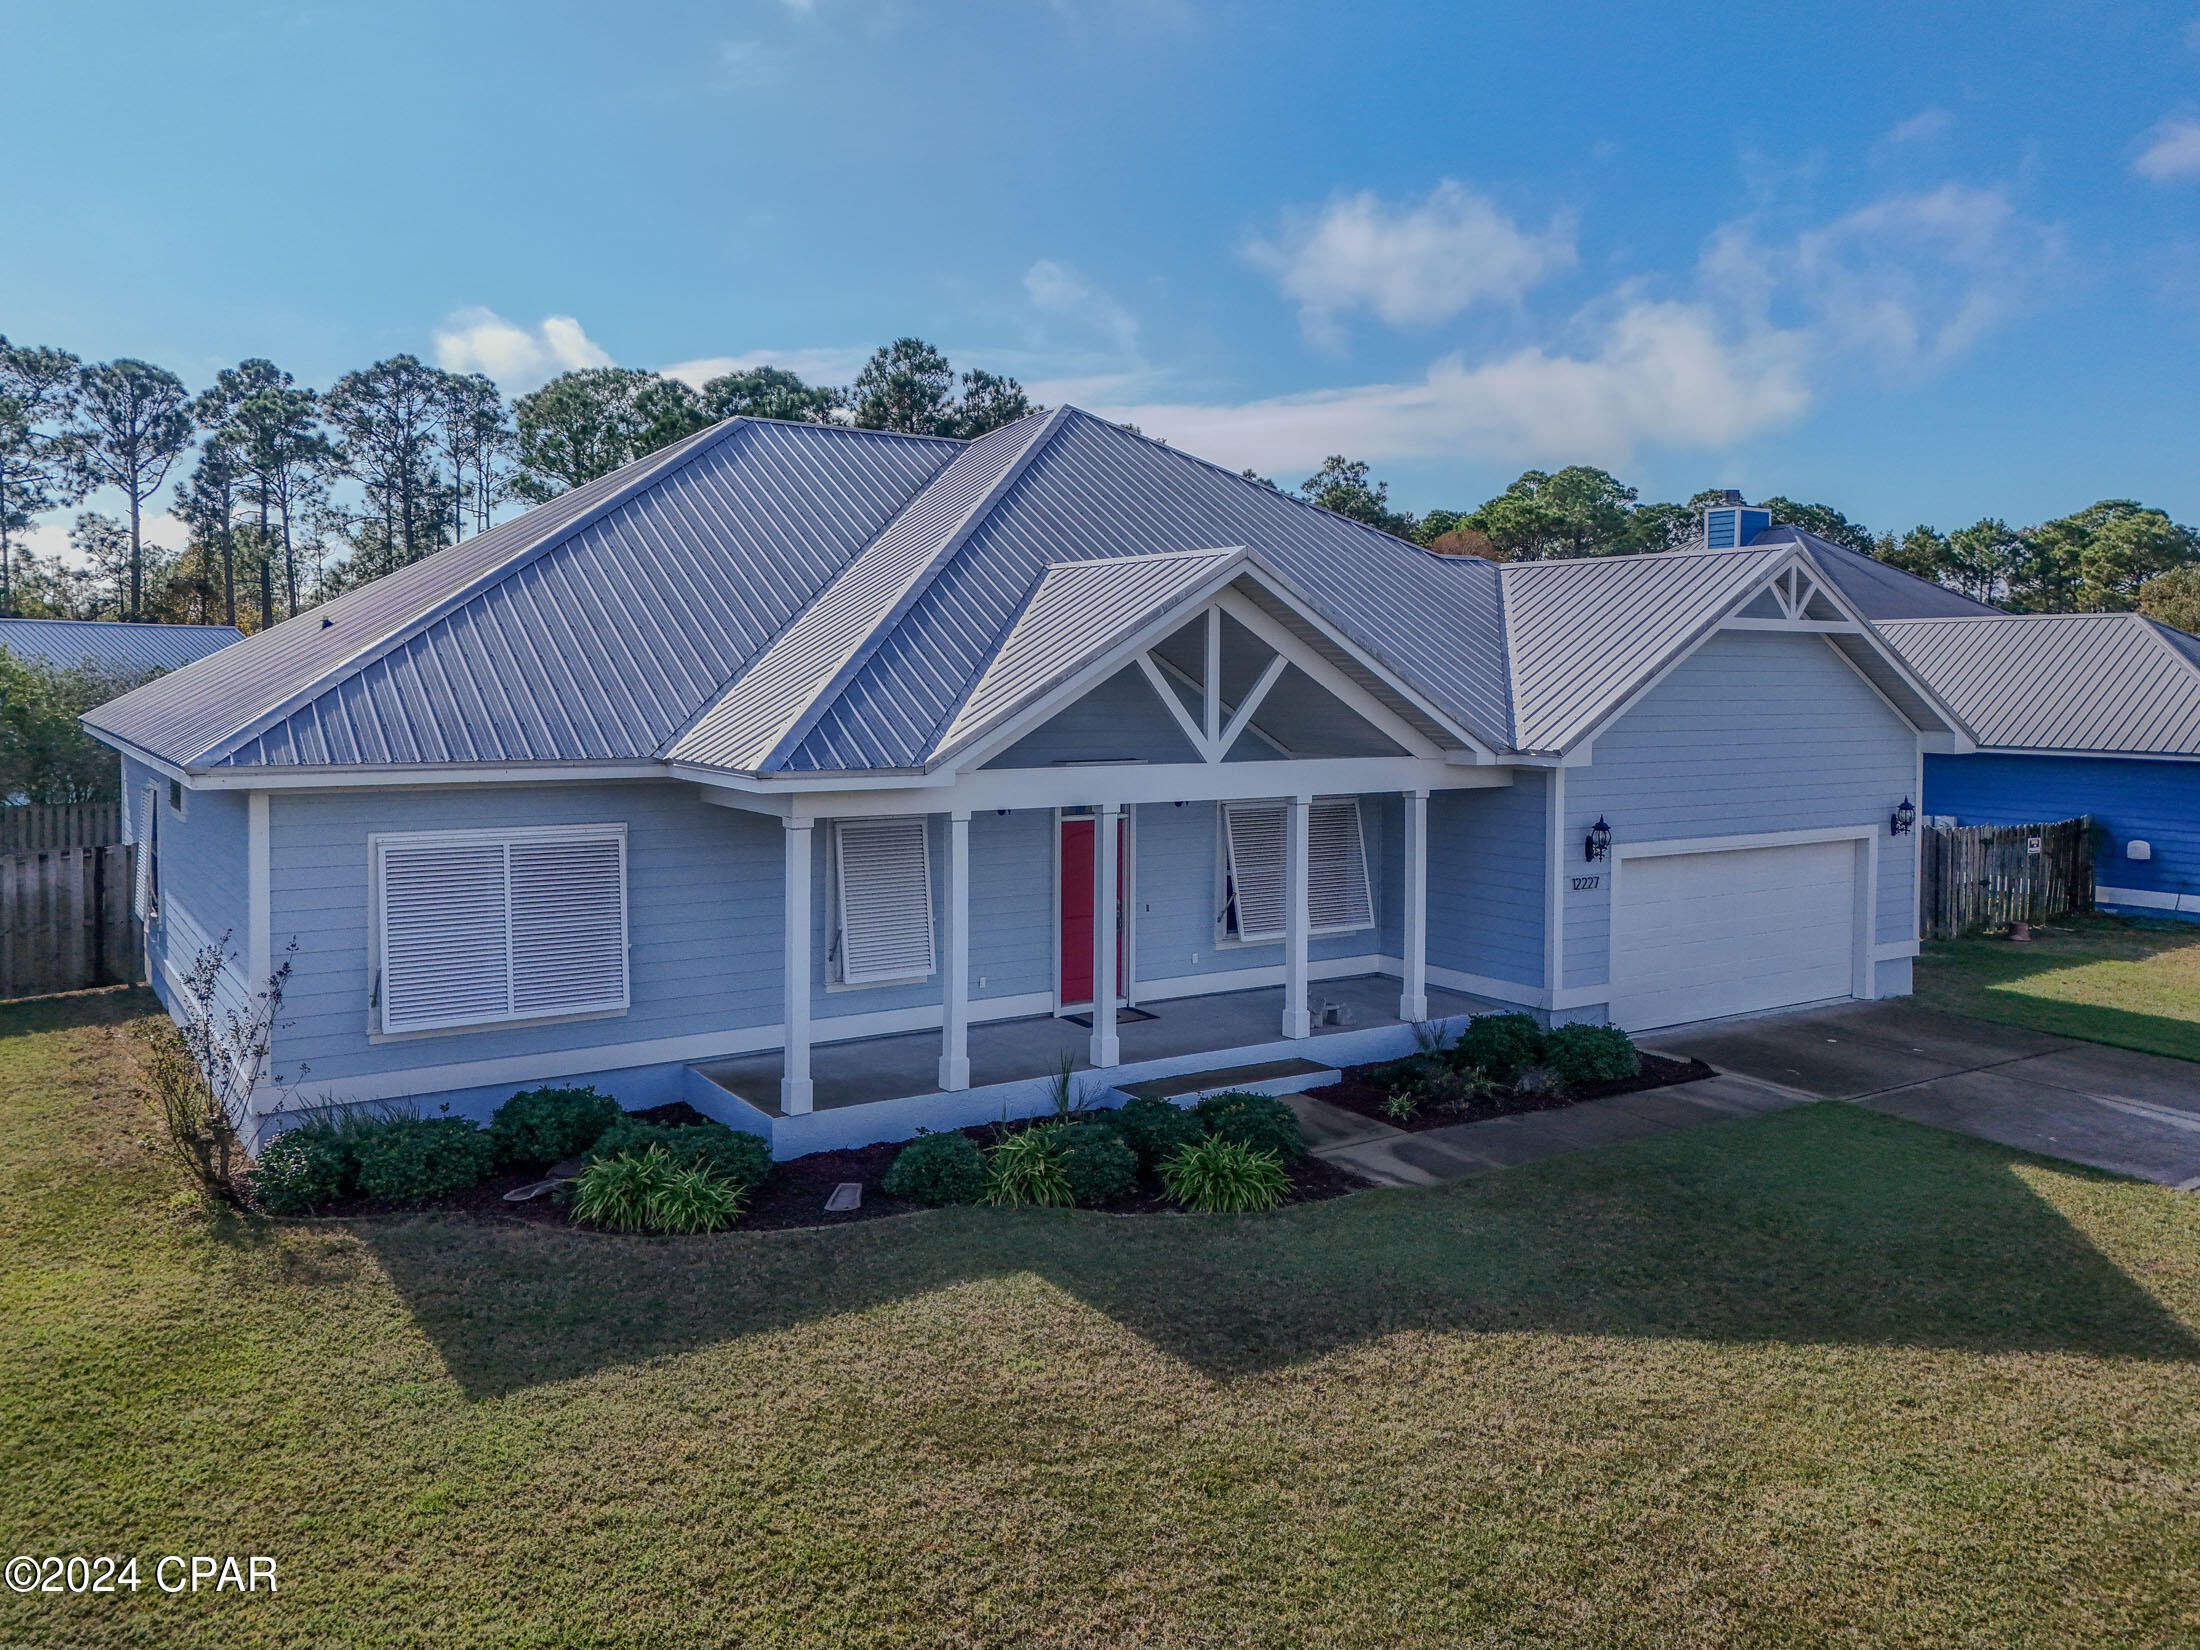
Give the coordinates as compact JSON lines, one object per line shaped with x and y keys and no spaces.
{"x":1817,"y":1377}
{"x":2104,"y":979}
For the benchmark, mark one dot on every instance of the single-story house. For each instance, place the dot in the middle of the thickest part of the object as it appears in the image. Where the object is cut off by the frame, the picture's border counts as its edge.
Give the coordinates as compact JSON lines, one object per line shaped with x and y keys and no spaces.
{"x":113,"y":645}
{"x":2073,"y":713}
{"x":842,"y":782}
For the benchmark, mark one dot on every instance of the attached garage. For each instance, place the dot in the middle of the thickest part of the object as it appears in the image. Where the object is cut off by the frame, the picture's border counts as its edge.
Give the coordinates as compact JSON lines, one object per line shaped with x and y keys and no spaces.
{"x":1702,"y":931}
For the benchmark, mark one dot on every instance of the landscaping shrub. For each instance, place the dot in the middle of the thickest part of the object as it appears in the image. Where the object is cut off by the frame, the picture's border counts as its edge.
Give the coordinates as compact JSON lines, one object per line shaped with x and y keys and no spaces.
{"x":406,"y":1158}
{"x":1259,"y":1122}
{"x":937,"y":1168}
{"x":647,"y":1191}
{"x":729,"y":1153}
{"x":539,"y":1127}
{"x":1499,"y":1046}
{"x":304,"y":1168}
{"x":1590,"y":1054}
{"x":1026,"y":1170}
{"x":1154,"y":1128}
{"x":1098,"y":1163}
{"x":1220,"y":1176}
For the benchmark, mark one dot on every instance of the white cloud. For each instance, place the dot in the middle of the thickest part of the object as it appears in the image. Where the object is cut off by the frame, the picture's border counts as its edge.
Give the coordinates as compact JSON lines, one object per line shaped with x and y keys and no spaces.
{"x":1410,"y":266}
{"x":2172,"y":153}
{"x":517,"y":357}
{"x":1656,"y":372}
{"x":1057,"y":290}
{"x":1922,"y":126}
{"x":812,"y":366}
{"x":1904,"y":283}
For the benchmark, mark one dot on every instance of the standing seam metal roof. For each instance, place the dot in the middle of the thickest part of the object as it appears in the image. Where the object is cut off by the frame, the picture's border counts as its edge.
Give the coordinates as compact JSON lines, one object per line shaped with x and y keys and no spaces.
{"x":114,"y":645}
{"x":2078,"y":682}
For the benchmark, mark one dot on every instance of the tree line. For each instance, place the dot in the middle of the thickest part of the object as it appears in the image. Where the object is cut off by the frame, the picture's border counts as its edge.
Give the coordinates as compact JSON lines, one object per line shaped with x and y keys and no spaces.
{"x":2111,"y":556}
{"x":290,"y":495}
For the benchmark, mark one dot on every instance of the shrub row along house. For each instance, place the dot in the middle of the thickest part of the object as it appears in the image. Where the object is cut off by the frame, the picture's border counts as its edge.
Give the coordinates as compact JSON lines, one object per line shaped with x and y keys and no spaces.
{"x":842,"y":782}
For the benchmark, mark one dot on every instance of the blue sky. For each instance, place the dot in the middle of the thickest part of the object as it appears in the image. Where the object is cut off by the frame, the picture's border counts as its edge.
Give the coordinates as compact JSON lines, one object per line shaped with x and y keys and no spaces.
{"x":1924,"y":262}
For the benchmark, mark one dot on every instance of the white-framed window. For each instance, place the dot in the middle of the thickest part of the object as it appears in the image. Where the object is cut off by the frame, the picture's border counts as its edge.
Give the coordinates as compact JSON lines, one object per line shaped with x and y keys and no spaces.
{"x":882,"y":901}
{"x":145,"y":882}
{"x":1337,"y":897}
{"x":484,"y":927}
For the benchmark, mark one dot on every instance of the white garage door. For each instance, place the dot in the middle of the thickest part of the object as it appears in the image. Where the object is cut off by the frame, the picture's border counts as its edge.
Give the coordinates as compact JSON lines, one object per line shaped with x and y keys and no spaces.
{"x":1695,"y":936}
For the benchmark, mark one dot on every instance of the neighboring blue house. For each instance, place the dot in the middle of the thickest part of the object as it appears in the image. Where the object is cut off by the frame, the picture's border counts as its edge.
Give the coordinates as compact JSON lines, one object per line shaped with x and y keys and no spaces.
{"x":2075,"y":713}
{"x":114,"y":646}
{"x":839,"y":782}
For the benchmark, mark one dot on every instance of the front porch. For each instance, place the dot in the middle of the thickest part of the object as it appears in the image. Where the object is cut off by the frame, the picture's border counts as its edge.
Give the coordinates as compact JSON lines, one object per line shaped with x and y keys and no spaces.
{"x":886,"y":1088}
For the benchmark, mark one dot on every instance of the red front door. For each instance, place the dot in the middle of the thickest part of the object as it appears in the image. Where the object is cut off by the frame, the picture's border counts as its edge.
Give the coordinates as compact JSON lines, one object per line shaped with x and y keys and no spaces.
{"x":1077,"y":869}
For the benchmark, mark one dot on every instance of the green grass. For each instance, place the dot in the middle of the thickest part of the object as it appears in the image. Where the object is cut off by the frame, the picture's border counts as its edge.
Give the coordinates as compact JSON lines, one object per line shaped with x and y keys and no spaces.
{"x":1814,"y":1378}
{"x":2104,"y":979}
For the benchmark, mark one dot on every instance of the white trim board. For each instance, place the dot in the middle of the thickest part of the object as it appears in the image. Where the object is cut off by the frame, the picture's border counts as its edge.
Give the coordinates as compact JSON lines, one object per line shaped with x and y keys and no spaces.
{"x":2145,"y":899}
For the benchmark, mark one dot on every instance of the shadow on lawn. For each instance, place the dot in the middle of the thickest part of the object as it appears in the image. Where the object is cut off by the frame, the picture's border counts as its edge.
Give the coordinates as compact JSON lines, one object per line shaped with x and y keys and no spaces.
{"x":1991,"y":979}
{"x":100,"y":1006}
{"x":1827,"y":1225}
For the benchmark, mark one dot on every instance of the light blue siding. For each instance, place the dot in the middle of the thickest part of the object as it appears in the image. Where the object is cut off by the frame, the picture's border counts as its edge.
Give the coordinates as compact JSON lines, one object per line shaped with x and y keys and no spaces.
{"x":1118,"y":721}
{"x":2155,"y":802}
{"x":1485,"y":880}
{"x":203,"y":896}
{"x":1756,"y":732}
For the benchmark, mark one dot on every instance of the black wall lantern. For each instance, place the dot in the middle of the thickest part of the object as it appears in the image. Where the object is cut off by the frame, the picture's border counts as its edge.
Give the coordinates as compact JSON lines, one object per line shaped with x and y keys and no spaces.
{"x":1598,"y":843}
{"x":1900,"y":821}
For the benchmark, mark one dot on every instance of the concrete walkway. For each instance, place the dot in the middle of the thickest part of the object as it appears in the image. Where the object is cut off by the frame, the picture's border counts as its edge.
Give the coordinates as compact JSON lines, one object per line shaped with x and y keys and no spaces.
{"x":2138,"y":1114}
{"x":1394,"y":1157}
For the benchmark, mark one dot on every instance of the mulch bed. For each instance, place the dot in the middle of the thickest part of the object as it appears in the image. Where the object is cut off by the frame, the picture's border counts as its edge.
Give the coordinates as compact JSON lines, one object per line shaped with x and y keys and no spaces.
{"x":1363,"y":1090}
{"x":796,"y":1192}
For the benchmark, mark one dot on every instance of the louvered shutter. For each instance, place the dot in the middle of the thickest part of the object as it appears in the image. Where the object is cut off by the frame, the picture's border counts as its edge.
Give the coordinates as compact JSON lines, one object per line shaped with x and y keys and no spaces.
{"x":141,"y":882}
{"x":1256,"y":832}
{"x":885,"y":891}
{"x":568,"y":925}
{"x":446,"y":940}
{"x":1336,"y":868}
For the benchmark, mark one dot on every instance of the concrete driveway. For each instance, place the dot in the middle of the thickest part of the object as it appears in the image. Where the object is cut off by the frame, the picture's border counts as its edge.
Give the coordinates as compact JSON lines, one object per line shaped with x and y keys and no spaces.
{"x":2138,"y":1114}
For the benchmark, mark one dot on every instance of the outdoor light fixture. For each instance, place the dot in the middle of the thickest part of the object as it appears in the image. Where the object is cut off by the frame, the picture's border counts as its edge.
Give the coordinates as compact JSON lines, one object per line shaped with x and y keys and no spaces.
{"x":1599,"y":841}
{"x":1900,"y":821}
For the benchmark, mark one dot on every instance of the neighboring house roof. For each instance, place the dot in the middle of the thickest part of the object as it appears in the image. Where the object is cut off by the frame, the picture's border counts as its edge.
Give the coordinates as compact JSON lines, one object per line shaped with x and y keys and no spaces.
{"x":2107,"y":683}
{"x":1870,"y":586}
{"x":772,"y":598}
{"x":130,"y":647}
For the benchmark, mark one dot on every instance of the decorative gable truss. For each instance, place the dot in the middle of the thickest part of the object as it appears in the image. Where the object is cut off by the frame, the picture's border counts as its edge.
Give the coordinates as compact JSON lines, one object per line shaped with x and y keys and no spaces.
{"x":1227,"y":652}
{"x":1796,"y":600}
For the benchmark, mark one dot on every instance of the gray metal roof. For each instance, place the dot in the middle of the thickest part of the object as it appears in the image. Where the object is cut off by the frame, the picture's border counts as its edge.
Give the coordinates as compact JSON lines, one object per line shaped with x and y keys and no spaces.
{"x":1875,"y":590}
{"x":793,"y":598}
{"x":114,"y":646}
{"x":2074,"y":682}
{"x":591,"y":628}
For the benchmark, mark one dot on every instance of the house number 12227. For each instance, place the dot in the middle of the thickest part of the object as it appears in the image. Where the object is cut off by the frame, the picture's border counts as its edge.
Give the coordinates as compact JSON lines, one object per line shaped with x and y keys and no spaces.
{"x":1587,"y":882}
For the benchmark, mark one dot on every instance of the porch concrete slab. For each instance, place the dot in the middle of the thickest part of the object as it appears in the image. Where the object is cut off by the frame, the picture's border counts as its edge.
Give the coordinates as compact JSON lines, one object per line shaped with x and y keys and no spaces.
{"x":1327,"y":1126}
{"x":1277,"y":1077}
{"x":2154,"y":1143}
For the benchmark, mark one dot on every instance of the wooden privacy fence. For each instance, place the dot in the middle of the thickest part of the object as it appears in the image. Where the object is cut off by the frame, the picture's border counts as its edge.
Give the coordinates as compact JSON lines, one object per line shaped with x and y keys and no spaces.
{"x":29,"y":827}
{"x":1986,"y":876}
{"x":65,"y":920}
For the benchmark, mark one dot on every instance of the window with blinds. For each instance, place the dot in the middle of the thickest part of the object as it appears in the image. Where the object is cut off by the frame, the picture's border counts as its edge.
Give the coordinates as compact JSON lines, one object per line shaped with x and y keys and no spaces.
{"x":480,"y":927}
{"x":1337,"y":898}
{"x":883,"y":901}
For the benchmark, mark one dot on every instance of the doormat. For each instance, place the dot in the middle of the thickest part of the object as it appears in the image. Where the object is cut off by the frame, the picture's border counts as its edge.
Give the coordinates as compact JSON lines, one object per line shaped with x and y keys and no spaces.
{"x":1122,"y":1017}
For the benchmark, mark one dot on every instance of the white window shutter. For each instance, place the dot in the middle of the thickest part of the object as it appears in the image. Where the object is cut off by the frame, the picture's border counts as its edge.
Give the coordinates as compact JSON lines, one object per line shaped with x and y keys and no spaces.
{"x":885,"y":891}
{"x":1257,"y":832}
{"x":148,"y":821}
{"x":446,"y":940}
{"x":1336,"y":868}
{"x":568,"y":925}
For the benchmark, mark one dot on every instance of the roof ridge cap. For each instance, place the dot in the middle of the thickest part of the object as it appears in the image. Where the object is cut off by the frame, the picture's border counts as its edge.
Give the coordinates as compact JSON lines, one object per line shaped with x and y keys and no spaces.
{"x":668,"y":461}
{"x":874,"y":635}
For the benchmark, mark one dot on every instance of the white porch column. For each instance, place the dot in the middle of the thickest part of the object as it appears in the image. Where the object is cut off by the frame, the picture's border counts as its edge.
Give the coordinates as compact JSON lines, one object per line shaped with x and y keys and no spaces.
{"x":1413,"y":985}
{"x":955,"y":965}
{"x":1296,"y":1022}
{"x":1107,"y":1047}
{"x":794,"y":1084}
